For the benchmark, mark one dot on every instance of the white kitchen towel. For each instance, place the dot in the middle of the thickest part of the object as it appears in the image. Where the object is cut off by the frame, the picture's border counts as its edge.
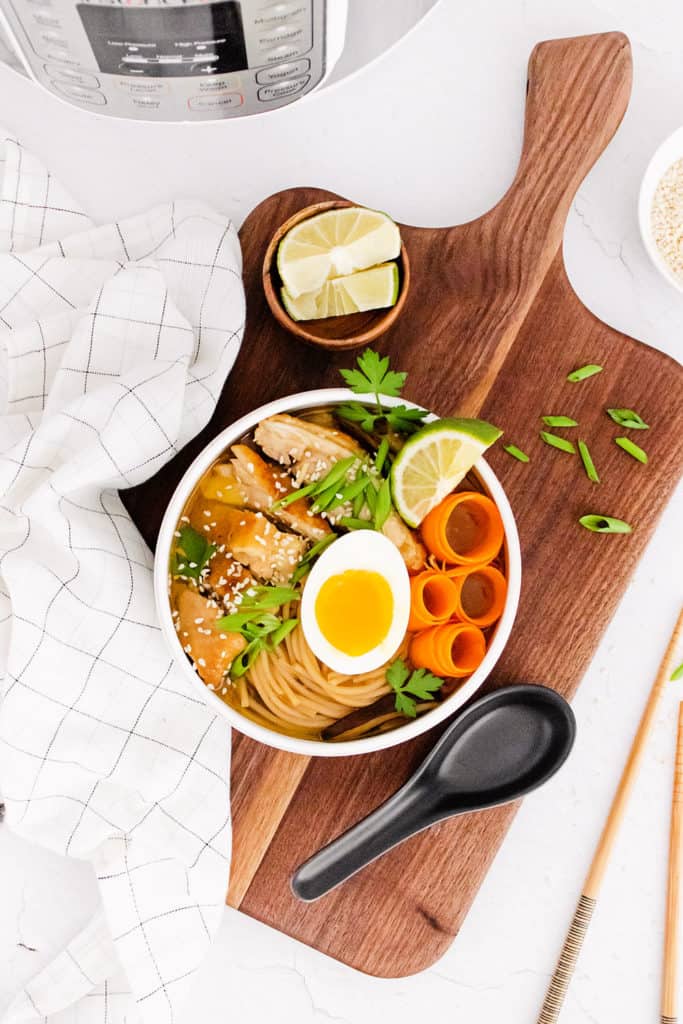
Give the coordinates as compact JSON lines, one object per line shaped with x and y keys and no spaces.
{"x":115,"y":342}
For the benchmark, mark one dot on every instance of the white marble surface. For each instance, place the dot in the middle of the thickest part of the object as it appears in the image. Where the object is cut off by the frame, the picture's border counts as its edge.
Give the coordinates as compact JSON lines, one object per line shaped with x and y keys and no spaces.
{"x":432,"y":132}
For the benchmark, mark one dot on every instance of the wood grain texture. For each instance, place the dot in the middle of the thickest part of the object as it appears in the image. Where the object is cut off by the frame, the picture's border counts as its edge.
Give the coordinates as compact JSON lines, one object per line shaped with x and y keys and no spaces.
{"x":669,"y":1004}
{"x":491,"y":326}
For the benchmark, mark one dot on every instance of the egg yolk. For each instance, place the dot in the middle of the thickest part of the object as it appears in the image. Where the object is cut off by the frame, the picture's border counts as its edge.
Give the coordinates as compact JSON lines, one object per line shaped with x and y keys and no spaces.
{"x":354,"y":610}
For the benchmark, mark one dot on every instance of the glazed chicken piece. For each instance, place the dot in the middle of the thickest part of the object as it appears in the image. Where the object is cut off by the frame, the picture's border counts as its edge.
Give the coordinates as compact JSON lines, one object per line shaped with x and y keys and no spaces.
{"x":249,"y":537}
{"x":262,"y":484}
{"x":312,"y":450}
{"x":211,"y":650}
{"x":227,"y":579}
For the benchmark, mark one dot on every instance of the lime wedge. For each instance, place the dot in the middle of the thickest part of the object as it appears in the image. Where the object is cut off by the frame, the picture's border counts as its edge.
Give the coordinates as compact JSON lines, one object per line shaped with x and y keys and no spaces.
{"x":376,"y":288}
{"x":433,"y":462}
{"x":334,"y":244}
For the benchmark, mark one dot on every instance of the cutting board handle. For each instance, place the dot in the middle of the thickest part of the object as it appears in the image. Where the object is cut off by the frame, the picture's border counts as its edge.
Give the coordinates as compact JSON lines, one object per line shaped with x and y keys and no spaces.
{"x":577,"y":94}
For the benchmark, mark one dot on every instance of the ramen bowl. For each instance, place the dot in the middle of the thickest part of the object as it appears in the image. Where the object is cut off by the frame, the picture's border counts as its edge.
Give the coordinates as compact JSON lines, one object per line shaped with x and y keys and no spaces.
{"x":300,"y":405}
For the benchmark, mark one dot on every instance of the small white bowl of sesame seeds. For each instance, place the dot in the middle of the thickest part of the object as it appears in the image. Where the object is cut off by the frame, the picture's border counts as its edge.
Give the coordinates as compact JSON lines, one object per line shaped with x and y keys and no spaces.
{"x":660,"y":209}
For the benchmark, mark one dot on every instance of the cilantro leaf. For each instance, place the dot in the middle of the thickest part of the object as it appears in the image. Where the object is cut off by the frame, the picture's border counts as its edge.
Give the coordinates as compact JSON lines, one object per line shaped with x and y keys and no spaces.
{"x":397,"y":674}
{"x":408,"y":685}
{"x":406,"y":705}
{"x":423,"y":684}
{"x":405,"y":420}
{"x":192,"y":554}
{"x":374,"y":376}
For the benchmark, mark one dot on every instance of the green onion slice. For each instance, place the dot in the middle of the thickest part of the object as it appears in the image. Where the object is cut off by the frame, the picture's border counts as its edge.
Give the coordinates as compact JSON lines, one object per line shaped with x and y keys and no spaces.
{"x":677,"y":673}
{"x":631,"y":448}
{"x":516,"y":452}
{"x":628,"y":418}
{"x":604,"y":524}
{"x":588,"y":464}
{"x":558,"y":442}
{"x":583,"y":372}
{"x":559,"y":421}
{"x":351,"y":523}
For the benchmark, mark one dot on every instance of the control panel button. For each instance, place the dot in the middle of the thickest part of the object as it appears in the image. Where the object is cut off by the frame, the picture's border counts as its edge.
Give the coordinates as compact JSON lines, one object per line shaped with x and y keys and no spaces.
{"x":282,"y":89}
{"x":46,"y":18}
{"x":292,"y":69}
{"x":72,"y":75}
{"x":292,"y":34}
{"x":222,"y":83}
{"x":220,"y":101}
{"x":142,"y":86}
{"x":283,"y":51}
{"x":270,"y":14}
{"x":76,"y":92}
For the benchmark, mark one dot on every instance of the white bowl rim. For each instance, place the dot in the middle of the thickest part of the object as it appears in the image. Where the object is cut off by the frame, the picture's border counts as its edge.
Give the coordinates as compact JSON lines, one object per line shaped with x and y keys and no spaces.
{"x":412,"y":728}
{"x":666,"y":154}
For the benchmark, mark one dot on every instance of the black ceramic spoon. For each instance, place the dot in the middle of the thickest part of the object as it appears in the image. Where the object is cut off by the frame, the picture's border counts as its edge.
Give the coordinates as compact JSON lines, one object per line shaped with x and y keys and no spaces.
{"x":501,"y":747}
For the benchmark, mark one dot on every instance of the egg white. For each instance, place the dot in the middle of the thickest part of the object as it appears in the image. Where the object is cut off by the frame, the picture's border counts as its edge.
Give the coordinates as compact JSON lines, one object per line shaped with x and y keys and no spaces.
{"x":362,"y":549}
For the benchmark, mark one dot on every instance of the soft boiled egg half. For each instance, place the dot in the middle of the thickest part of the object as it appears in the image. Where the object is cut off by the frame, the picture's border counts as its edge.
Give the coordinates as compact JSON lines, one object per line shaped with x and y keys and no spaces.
{"x":356,"y":603}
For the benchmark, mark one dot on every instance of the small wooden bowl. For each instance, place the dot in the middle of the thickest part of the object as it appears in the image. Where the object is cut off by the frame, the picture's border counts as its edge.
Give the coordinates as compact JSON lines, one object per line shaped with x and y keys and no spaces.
{"x":334,"y":332}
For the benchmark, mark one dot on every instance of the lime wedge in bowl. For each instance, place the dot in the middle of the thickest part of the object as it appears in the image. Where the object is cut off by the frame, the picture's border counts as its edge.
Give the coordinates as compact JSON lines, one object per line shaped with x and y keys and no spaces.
{"x":334,"y":244}
{"x":376,"y":288}
{"x":433,"y":462}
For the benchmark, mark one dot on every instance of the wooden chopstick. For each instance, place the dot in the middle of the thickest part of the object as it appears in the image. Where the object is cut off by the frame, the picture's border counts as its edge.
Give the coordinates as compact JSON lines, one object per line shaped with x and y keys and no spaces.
{"x":559,"y":983}
{"x":670,"y":965}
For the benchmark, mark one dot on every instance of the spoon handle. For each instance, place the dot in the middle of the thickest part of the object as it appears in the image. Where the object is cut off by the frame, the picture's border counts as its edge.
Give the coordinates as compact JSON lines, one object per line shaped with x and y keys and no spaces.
{"x":407,"y":812}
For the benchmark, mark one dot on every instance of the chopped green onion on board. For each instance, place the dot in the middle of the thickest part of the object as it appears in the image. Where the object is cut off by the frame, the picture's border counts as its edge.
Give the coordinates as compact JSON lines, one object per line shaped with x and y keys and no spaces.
{"x":588,"y":464}
{"x":583,"y":372}
{"x":628,"y":418}
{"x":559,"y":421}
{"x":604,"y":524}
{"x":633,"y":449}
{"x":558,"y":442}
{"x":516,"y":452}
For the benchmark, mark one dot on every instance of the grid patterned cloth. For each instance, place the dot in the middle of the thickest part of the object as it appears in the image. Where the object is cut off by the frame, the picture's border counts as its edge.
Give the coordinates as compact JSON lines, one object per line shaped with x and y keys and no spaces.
{"x":115,"y":342}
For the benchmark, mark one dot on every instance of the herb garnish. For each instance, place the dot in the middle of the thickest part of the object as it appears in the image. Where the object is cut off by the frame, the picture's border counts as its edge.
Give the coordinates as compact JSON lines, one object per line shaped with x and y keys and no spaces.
{"x":583,"y":372}
{"x":192,"y":553}
{"x":516,"y":452}
{"x":304,"y":566}
{"x":633,"y":449}
{"x":588,"y":464}
{"x":261,"y":628}
{"x":628,"y":418}
{"x":408,"y":685}
{"x":374,"y":377}
{"x":677,"y":673}
{"x":558,"y":442}
{"x":604,"y":524}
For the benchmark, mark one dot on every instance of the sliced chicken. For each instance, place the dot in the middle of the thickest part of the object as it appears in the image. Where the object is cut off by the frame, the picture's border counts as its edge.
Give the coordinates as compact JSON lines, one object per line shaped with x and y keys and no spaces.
{"x":211,"y":650}
{"x":413,"y":551}
{"x":262,"y":484}
{"x":227,"y":578}
{"x":249,"y":537}
{"x":311,"y":450}
{"x":221,"y":484}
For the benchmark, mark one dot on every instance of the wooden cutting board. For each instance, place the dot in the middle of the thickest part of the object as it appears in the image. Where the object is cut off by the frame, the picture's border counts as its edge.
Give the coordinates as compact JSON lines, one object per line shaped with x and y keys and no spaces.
{"x":491,"y":327}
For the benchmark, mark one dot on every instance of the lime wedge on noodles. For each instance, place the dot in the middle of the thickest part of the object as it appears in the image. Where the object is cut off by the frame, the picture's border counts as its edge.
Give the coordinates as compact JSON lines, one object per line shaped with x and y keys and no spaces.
{"x":334,"y":244}
{"x":376,"y":288}
{"x":433,"y":462}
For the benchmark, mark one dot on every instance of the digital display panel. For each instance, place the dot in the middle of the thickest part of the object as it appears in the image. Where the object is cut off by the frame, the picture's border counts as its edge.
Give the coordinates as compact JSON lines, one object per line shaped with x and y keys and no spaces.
{"x":166,"y":42}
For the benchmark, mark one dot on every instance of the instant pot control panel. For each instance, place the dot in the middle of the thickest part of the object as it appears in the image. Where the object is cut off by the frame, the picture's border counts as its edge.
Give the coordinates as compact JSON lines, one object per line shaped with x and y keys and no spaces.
{"x":173,"y":61}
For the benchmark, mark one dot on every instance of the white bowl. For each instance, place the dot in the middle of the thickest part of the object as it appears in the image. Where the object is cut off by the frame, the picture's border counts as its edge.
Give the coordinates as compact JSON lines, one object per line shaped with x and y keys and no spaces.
{"x":413,"y":727}
{"x":667,"y":154}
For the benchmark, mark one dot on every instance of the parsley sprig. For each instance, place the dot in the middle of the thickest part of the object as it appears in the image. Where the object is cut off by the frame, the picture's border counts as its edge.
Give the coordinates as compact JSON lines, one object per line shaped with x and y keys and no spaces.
{"x":192,"y":554}
{"x":408,"y":686}
{"x":373,"y":376}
